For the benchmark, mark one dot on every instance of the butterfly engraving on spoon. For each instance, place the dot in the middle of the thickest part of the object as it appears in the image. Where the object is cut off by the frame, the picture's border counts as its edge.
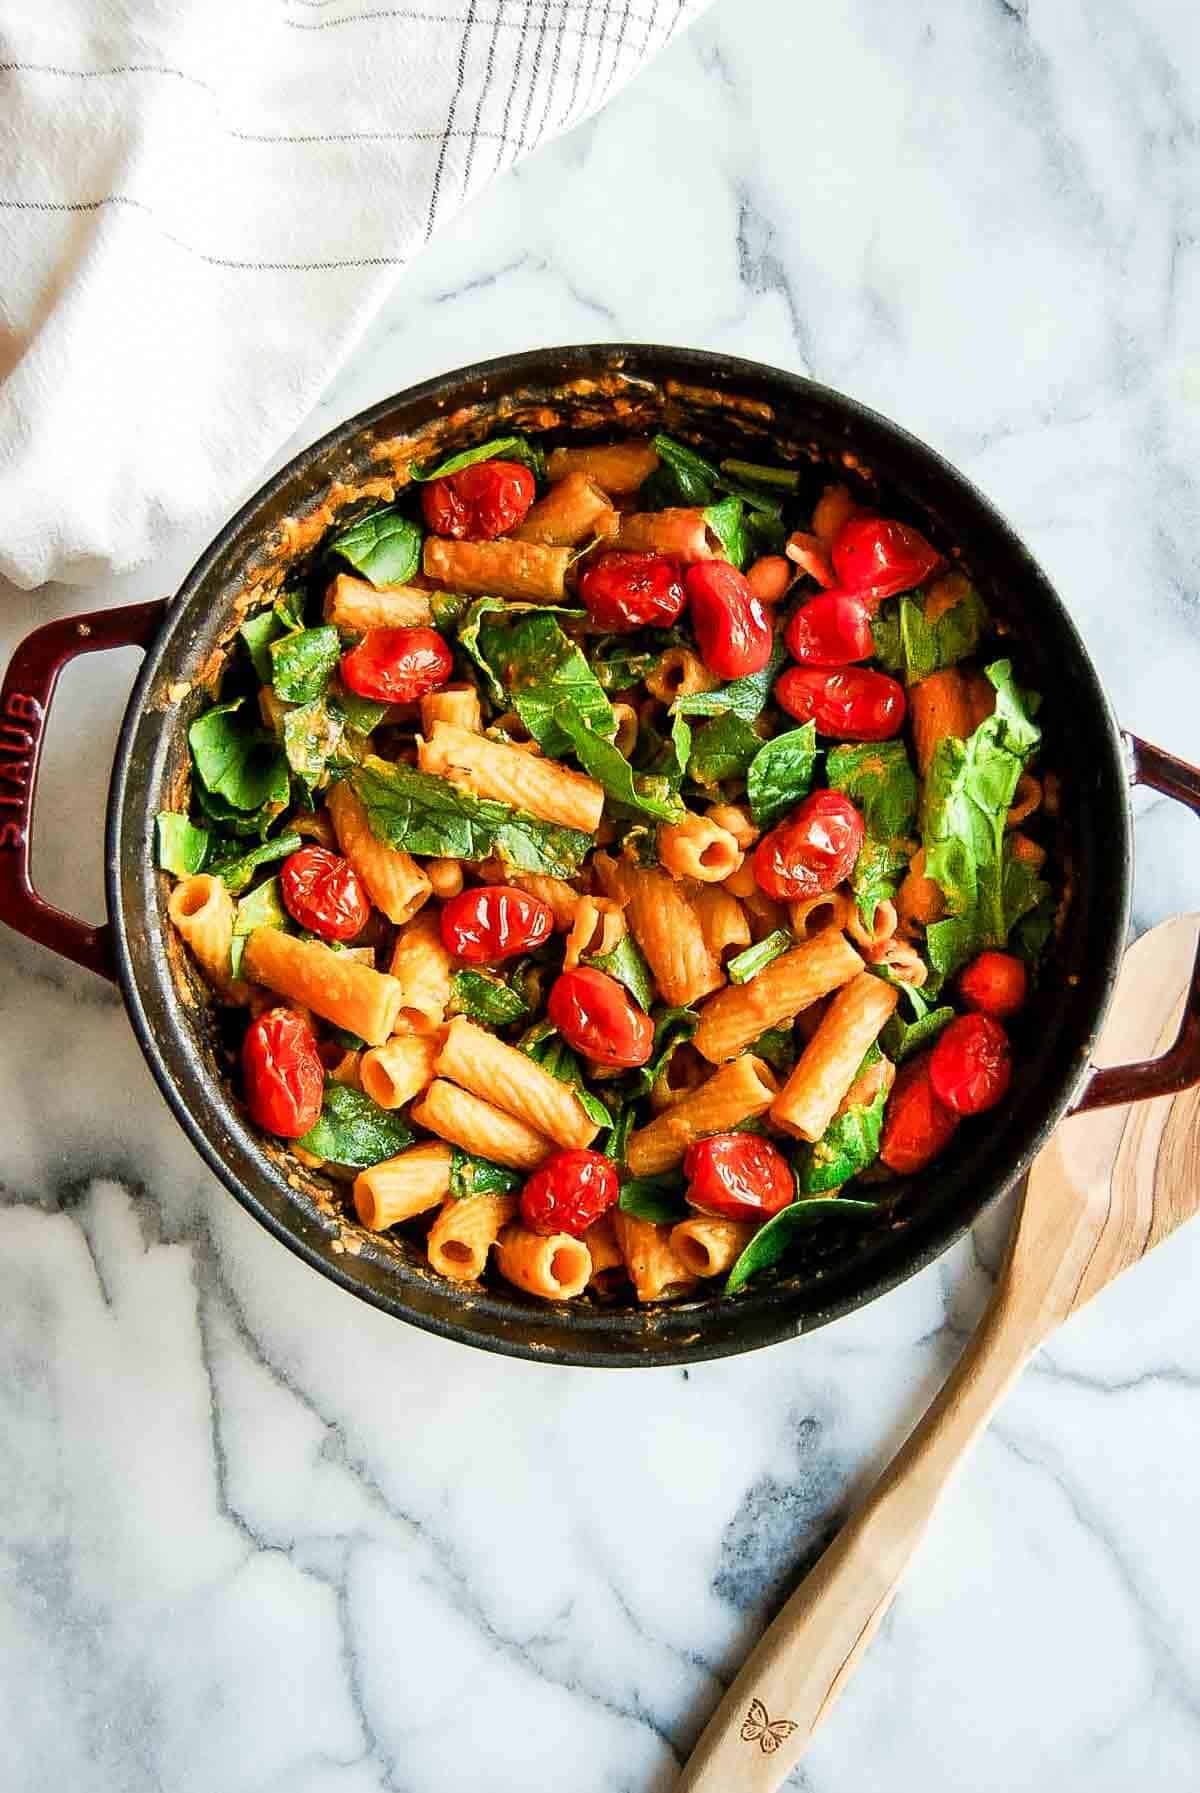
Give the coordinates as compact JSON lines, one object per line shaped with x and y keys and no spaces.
{"x":766,"y":1732}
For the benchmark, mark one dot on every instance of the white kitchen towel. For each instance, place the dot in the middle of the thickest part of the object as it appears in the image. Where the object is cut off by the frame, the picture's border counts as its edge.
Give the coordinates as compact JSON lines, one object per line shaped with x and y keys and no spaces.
{"x":204,"y":202}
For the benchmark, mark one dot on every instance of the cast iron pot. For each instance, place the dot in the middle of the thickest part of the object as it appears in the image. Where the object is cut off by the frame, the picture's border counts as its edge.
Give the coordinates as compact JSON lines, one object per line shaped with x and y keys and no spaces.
{"x":730,"y":406}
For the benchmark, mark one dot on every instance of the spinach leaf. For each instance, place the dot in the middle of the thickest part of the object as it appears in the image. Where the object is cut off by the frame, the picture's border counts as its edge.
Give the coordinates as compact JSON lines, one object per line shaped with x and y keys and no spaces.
{"x":486,"y":998}
{"x":908,"y":642}
{"x":672,"y":1028}
{"x":777,"y":1046}
{"x":683,"y":476}
{"x":361,"y":713}
{"x":182,"y":847}
{"x":626,"y":963}
{"x":258,"y":633}
{"x":901,"y":1038}
{"x":542,"y":670}
{"x":968,"y":794}
{"x":1034,"y":933}
{"x":746,"y":697}
{"x":751,"y":960}
{"x":848,"y":1145}
{"x":727,"y":520}
{"x":448,"y":608}
{"x":289,"y":611}
{"x":263,"y":908}
{"x":781,"y":773}
{"x":303,"y":664}
{"x":878,"y":777}
{"x":786,"y":478}
{"x":546,"y":1048}
{"x":775,"y":1239}
{"x":235,"y":762}
{"x":615,"y":1141}
{"x":627,"y":666}
{"x":479,"y":1176}
{"x":468,"y":641}
{"x":508,"y":448}
{"x":312,"y":734}
{"x":1023,"y":889}
{"x":384,"y":546}
{"x":355,"y":1131}
{"x":603,"y":760}
{"x":659,"y":1199}
{"x":431,"y":817}
{"x":723,"y":748}
{"x":236,"y":871}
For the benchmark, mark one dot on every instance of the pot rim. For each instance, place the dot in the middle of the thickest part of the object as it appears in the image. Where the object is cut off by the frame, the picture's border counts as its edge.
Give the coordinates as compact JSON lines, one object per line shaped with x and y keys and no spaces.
{"x":766,"y":1316}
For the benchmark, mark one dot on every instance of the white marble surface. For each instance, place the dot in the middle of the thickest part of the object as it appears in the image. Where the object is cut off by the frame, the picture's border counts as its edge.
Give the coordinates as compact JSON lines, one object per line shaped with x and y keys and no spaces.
{"x":257,"y":1536}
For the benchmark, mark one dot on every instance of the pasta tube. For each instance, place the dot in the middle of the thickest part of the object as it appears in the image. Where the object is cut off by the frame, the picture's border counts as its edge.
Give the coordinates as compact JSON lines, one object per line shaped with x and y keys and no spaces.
{"x":556,"y":1268}
{"x":697,"y":848}
{"x":395,"y":882}
{"x":498,"y":569}
{"x":480,"y":1062}
{"x":397,"y":1071}
{"x":709,"y":1247}
{"x":464,"y":1120}
{"x":402,"y":1186}
{"x":445,"y":877}
{"x":573,"y":509}
{"x":654,"y":1268}
{"x":598,"y":928}
{"x":734,"y":1018}
{"x":666,"y":926}
{"x":939,"y":706}
{"x":919,"y":899}
{"x":681,"y":532}
{"x":829,"y":1063}
{"x":354,"y":605}
{"x":458,"y":704}
{"x":679,"y":673}
{"x":616,"y":467}
{"x":871,"y":940}
{"x":737,"y":1092}
{"x":605,"y":1253}
{"x":810,"y":916}
{"x":541,"y":787}
{"x":465,"y":1231}
{"x":735,"y":819}
{"x":334,"y":986}
{"x":723,"y":921}
{"x":424,"y":970}
{"x":202,"y":911}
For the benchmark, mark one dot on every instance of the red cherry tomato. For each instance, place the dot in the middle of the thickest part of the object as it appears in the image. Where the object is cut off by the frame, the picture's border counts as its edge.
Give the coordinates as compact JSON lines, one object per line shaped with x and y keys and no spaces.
{"x":493,"y":922}
{"x":324,"y":893}
{"x":970,"y":1068}
{"x":811,"y":850}
{"x":569,"y":1192}
{"x":877,"y":558}
{"x":624,"y":590}
{"x":854,"y":703}
{"x":833,"y":629}
{"x":282,"y":1074}
{"x":738,"y":1175}
{"x":732,"y":628}
{"x":479,"y":503}
{"x":596,"y":1015}
{"x":916,"y":1125}
{"x":995,"y":983}
{"x":397,"y":666}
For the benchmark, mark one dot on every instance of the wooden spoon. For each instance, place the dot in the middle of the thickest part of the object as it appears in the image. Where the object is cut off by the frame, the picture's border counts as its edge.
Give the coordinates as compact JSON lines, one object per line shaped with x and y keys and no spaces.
{"x":1110,"y":1185}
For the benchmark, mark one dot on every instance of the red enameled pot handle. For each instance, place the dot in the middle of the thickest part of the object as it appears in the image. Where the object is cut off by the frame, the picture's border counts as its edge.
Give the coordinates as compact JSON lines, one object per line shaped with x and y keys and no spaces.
{"x":24,"y":705}
{"x":1179,"y":1068}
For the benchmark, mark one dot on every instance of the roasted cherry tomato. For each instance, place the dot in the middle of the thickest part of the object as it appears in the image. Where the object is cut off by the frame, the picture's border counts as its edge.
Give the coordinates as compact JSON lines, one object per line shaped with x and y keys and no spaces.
{"x":569,"y":1192}
{"x":970,"y":1068}
{"x":324,"y":893}
{"x":995,"y":983}
{"x":732,"y":628}
{"x":397,"y":666}
{"x":811,"y":850}
{"x":916,"y":1125}
{"x":597,"y":1016}
{"x":493,"y":922}
{"x":877,"y":558}
{"x":833,"y":629}
{"x":282,"y":1074}
{"x":624,"y":590}
{"x":479,"y":503}
{"x":739,"y":1176}
{"x":853,"y":703}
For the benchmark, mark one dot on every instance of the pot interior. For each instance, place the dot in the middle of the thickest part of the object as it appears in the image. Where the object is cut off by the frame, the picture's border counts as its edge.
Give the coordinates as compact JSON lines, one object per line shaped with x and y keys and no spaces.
{"x":728,"y":407}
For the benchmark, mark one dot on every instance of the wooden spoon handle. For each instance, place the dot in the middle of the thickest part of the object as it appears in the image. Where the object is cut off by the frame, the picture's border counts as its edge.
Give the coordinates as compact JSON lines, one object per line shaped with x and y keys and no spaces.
{"x":790,"y":1681}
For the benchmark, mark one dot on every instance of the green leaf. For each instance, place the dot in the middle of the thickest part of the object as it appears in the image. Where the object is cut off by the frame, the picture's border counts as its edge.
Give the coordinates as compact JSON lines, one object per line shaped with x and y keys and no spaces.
{"x":362,"y":714}
{"x":901,"y":1038}
{"x":848,"y":1145}
{"x":508,"y":448}
{"x":479,"y":1176}
{"x":616,"y":1140}
{"x":625,"y":665}
{"x":542,"y":669}
{"x":487,"y":998}
{"x":355,"y":1131}
{"x":628,"y":965}
{"x":659,"y":1199}
{"x":543,"y":1044}
{"x":604,"y":761}
{"x":683,"y":476}
{"x":746,"y":697}
{"x":776,"y":1239}
{"x":182,"y":847}
{"x":786,"y":478}
{"x":781,"y":773}
{"x":468,"y":641}
{"x":303,"y":663}
{"x":777,"y":1046}
{"x":878,"y":777}
{"x":312,"y":734}
{"x":431,"y":817}
{"x":672,"y":1029}
{"x":236,"y":763}
{"x":751,"y":960}
{"x":906,"y":642}
{"x":384,"y":546}
{"x":263,"y":908}
{"x":724,"y":748}
{"x":258,"y":633}
{"x":236,"y":870}
{"x":727,"y":520}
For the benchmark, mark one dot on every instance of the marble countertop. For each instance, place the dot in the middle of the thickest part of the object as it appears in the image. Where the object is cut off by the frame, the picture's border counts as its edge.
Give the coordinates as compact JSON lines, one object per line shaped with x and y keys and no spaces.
{"x":256,"y":1536}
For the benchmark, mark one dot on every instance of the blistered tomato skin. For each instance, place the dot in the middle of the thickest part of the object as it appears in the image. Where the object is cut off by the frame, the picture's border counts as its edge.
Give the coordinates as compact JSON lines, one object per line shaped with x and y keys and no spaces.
{"x":569,"y":1192}
{"x":833,"y":629}
{"x":324,"y":893}
{"x":812,"y":850}
{"x":970,"y":1068}
{"x":624,"y":590}
{"x":995,"y":983}
{"x":733,"y":630}
{"x":494,"y":922}
{"x":878,"y":558}
{"x":282,"y":1074}
{"x":853,"y":703}
{"x":597,"y":1017}
{"x":739,"y":1176}
{"x":397,"y":666}
{"x":917,"y":1125}
{"x":481,"y":502}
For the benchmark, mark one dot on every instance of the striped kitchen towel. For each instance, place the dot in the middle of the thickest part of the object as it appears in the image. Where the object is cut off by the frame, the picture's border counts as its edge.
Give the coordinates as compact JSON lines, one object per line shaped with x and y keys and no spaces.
{"x":203,"y":203}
